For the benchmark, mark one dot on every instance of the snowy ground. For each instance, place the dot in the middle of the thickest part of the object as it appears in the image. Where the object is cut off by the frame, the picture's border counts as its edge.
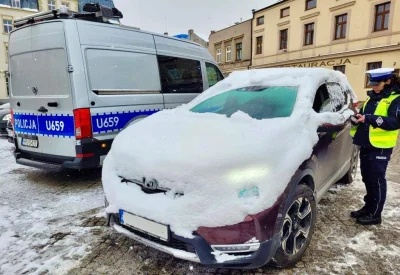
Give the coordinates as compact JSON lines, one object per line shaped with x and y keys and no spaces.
{"x":52,"y":223}
{"x":40,"y":217}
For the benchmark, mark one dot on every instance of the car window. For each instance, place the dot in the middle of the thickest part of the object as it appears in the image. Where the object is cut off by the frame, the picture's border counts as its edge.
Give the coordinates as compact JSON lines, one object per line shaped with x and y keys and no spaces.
{"x":179,"y":75}
{"x":213,"y":74}
{"x":329,"y":98}
{"x":259,"y":102}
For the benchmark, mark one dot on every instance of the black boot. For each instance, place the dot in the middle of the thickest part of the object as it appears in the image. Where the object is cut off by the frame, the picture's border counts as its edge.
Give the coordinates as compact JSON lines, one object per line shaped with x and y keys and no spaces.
{"x":359,"y":213}
{"x":370,"y":219}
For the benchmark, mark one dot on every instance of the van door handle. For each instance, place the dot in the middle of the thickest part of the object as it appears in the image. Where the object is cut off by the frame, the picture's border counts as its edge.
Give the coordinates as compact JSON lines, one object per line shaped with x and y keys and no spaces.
{"x":52,"y":104}
{"x":42,"y":110}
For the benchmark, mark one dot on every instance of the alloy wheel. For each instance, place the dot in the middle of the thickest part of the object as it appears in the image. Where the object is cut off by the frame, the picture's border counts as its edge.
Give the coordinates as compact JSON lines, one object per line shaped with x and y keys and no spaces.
{"x":296,"y":226}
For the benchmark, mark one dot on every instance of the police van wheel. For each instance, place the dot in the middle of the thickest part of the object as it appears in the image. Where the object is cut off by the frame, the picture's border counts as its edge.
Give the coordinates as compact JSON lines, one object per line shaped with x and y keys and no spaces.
{"x":297,"y":228}
{"x":351,"y":174}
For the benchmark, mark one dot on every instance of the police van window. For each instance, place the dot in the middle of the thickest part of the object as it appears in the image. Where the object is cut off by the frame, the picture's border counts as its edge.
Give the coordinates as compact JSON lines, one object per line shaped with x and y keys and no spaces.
{"x":179,"y":75}
{"x":119,"y":72}
{"x":44,"y":70}
{"x":213,"y":74}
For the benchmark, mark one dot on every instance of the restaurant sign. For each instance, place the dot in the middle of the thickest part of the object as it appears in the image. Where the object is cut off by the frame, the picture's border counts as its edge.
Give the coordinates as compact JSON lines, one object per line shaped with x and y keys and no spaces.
{"x":326,"y":63}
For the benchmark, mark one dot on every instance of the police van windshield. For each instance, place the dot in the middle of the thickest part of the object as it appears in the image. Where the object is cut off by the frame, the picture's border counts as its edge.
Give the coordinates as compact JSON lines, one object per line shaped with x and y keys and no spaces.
{"x":259,"y":102}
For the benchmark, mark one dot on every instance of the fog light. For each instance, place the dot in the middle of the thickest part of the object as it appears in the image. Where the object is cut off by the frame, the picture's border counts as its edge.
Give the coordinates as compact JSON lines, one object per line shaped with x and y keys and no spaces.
{"x":236,"y":248}
{"x":103,"y":145}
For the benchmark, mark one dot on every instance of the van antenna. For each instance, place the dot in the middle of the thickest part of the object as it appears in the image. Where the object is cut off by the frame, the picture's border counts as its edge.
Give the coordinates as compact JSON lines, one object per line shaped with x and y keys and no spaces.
{"x":166,"y":27}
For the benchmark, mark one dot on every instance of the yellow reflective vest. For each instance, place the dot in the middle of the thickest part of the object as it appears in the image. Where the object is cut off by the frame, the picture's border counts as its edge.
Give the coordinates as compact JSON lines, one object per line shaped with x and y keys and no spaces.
{"x":378,"y":137}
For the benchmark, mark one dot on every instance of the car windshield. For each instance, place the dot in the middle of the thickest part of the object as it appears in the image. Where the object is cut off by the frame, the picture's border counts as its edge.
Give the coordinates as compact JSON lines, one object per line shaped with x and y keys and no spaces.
{"x":259,"y":102}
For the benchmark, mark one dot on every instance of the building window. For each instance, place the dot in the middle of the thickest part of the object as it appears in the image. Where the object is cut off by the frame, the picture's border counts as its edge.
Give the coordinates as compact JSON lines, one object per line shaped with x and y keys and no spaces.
{"x":213,"y":74}
{"x":285,"y":12}
{"x":283,"y":39}
{"x":218,"y":55}
{"x":341,"y":68}
{"x":16,"y":3}
{"x":239,"y":51}
{"x":7,"y":23}
{"x":341,"y":26}
{"x":259,"y":45}
{"x":310,"y":4}
{"x":260,"y":20}
{"x":382,"y":17}
{"x":180,"y":75}
{"x":228,"y":54}
{"x":51,"y":5}
{"x":309,"y":34}
{"x":372,"y":66}
{"x":65,"y":4}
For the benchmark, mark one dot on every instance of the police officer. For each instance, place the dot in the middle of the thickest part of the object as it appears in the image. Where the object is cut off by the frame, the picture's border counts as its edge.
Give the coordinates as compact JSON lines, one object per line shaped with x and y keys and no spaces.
{"x":375,"y":130}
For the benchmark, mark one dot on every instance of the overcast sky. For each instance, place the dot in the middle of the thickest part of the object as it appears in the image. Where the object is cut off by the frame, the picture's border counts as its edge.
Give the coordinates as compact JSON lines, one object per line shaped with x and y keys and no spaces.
{"x":178,"y":16}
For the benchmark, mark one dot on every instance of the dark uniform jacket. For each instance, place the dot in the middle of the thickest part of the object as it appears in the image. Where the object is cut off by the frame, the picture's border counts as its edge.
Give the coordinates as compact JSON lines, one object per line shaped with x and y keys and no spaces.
{"x":391,"y":122}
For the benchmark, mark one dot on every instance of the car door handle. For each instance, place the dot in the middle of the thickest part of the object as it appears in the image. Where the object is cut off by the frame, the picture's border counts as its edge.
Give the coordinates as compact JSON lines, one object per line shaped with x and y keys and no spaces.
{"x":42,"y":109}
{"x":52,"y":104}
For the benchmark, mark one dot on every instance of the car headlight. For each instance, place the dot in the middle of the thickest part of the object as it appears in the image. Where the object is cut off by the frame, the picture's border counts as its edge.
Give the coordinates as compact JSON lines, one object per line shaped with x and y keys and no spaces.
{"x":7,"y":117}
{"x":246,"y":174}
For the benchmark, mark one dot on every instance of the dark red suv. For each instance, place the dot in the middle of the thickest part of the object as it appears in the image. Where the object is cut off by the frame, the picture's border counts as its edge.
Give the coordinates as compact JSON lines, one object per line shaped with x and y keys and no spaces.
{"x":142,"y":205}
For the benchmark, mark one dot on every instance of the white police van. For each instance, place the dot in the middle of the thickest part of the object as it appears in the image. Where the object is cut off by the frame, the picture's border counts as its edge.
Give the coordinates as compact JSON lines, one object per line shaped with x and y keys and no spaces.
{"x":77,"y":80}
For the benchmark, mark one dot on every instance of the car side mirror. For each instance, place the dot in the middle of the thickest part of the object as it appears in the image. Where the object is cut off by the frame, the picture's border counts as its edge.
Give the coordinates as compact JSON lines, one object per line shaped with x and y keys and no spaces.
{"x":329,"y":128}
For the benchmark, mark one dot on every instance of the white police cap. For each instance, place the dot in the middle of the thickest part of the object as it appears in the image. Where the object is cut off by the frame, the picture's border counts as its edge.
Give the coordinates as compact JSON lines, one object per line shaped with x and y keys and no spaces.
{"x":378,"y":75}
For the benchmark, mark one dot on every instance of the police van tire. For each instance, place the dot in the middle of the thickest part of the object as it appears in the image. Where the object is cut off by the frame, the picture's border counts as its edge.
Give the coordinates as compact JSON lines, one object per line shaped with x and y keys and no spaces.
{"x":301,"y":215}
{"x":351,"y":174}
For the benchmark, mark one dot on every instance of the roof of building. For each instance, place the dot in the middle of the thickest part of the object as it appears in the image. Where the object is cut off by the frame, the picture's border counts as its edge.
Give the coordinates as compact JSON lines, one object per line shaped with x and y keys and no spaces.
{"x":214,"y":32}
{"x":271,"y":6}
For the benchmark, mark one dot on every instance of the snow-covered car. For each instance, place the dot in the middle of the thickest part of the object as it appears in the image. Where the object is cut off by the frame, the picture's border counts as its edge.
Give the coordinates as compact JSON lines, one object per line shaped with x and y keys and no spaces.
{"x":5,"y":116}
{"x":232,"y":178}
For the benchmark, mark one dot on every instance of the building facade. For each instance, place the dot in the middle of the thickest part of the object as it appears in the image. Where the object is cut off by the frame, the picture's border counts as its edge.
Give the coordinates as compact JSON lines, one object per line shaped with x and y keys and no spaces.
{"x":231,"y":47}
{"x":349,"y":36}
{"x":48,"y":5}
{"x":195,"y":38}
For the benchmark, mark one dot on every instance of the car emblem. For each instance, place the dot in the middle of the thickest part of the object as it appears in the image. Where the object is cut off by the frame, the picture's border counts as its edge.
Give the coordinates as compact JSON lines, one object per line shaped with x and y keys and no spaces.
{"x":35,"y":90}
{"x":150,"y":185}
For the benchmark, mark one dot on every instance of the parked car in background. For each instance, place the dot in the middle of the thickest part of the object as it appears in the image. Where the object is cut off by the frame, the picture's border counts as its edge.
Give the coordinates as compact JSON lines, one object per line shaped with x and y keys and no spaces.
{"x":89,"y":79}
{"x":232,"y":179}
{"x":5,"y":117}
{"x":10,"y":131}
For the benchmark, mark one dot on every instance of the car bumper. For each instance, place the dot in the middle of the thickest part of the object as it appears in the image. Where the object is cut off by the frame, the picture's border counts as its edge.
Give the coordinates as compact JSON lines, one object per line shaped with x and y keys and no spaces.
{"x":59,"y":163}
{"x":198,"y":250}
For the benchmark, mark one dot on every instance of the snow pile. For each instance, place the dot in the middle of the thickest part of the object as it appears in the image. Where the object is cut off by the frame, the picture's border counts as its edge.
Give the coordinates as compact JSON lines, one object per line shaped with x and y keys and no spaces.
{"x":227,"y":168}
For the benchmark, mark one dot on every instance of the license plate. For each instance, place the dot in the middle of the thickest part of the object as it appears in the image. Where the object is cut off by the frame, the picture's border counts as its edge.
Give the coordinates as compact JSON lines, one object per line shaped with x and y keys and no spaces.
{"x":144,"y":225}
{"x":30,"y":142}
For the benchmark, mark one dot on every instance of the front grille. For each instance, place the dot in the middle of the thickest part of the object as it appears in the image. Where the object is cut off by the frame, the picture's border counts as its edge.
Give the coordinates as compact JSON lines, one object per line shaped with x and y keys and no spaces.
{"x":173,"y":243}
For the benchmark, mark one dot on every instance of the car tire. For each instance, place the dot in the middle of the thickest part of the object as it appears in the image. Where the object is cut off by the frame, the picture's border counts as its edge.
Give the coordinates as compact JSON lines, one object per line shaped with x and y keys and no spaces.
{"x":297,"y":228}
{"x":351,"y":174}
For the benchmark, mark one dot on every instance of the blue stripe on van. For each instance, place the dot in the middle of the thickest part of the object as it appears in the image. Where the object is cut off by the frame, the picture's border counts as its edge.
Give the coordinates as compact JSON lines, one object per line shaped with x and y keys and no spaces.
{"x":57,"y":125}
{"x":112,"y":122}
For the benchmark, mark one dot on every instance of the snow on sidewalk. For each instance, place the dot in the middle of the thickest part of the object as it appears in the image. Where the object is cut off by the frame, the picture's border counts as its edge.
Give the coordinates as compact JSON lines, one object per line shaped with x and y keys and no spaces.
{"x":40,"y":217}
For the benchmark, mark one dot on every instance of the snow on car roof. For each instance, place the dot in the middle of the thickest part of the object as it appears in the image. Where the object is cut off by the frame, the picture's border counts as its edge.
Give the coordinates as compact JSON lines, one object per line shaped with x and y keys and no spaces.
{"x":5,"y":106}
